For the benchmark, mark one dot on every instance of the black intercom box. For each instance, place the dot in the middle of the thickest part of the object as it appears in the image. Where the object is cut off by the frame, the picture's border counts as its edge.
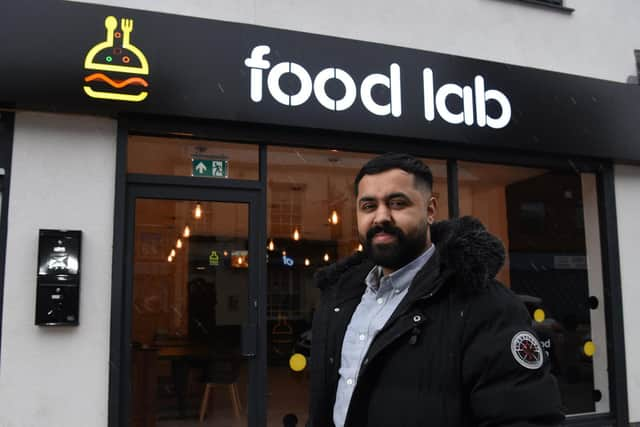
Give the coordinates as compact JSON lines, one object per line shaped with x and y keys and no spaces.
{"x":58,"y":279}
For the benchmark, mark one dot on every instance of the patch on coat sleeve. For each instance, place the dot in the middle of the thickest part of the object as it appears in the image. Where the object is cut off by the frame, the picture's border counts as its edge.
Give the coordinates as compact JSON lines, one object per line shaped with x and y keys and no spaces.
{"x":527,"y":350}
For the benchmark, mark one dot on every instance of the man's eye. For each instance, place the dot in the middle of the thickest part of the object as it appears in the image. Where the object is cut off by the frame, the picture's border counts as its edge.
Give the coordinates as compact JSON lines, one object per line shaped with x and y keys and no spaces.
{"x":367,"y":206}
{"x":396,"y":204}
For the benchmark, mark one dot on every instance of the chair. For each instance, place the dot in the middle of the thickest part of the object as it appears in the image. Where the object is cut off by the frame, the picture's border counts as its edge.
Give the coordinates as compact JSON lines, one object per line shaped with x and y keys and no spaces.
{"x":223,"y":372}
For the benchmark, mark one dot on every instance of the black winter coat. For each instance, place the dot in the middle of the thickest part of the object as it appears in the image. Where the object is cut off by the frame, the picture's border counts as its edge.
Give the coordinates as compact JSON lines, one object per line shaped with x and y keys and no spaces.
{"x":444,"y":358}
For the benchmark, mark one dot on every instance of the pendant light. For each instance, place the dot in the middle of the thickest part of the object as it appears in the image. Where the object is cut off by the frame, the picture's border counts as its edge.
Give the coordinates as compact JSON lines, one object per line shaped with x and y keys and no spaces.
{"x":296,"y":234}
{"x":307,"y":263}
{"x":334,"y":219}
{"x":197,"y":212}
{"x":179,"y":243}
{"x":186,"y":232}
{"x":271,"y":246}
{"x":326,"y":257}
{"x":360,"y":248}
{"x":170,"y":258}
{"x":173,"y":253}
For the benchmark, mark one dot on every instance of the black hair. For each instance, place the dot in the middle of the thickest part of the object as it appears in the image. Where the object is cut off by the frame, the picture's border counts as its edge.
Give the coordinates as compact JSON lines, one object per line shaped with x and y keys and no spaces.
{"x":408,"y":163}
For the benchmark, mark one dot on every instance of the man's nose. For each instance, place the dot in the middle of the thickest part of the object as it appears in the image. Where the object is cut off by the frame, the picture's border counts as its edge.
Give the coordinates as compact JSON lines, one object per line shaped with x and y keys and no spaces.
{"x":382,"y":215}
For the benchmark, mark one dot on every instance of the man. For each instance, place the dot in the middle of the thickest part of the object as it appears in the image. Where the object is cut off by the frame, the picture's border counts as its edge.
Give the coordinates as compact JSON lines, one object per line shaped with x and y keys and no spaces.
{"x":416,"y":331}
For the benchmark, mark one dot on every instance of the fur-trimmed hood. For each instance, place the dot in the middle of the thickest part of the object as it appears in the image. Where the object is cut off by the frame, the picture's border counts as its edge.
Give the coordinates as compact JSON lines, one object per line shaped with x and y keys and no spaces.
{"x":465,"y":247}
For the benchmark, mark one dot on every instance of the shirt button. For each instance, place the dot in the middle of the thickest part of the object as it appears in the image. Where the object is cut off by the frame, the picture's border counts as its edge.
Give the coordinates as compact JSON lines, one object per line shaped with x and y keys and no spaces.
{"x":350,"y":381}
{"x":362,"y":337}
{"x":337,"y":309}
{"x":380,"y":300}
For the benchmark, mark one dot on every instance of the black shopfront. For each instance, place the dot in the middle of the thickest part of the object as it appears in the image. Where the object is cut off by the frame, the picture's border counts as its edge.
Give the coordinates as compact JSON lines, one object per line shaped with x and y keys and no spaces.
{"x":236,"y":149}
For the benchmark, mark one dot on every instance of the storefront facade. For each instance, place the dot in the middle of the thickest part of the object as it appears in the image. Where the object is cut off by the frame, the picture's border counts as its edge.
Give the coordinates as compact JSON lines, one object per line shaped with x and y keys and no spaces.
{"x":209,"y":169}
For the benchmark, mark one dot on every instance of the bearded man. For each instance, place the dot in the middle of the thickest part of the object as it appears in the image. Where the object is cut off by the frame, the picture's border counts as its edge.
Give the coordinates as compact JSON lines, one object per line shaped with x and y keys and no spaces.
{"x":416,"y":331}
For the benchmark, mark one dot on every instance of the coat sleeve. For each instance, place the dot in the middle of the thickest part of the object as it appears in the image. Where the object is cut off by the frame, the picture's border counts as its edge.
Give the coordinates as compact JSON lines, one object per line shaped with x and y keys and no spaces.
{"x":501,"y":370}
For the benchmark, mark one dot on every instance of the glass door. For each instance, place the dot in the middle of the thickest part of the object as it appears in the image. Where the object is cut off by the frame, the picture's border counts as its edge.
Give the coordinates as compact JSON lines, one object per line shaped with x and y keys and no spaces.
{"x":192,"y":275}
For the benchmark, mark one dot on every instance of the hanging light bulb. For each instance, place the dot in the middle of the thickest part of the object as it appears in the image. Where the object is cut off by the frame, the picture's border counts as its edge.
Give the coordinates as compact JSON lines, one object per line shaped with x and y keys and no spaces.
{"x":225,"y":253}
{"x":271,"y":246}
{"x":170,"y":258}
{"x":360,"y":248}
{"x":284,"y":253}
{"x":179,"y":243}
{"x":296,"y":234}
{"x":197,"y":213}
{"x":186,"y":232}
{"x":240,"y":260}
{"x":173,"y":253}
{"x":326,"y":257}
{"x":307,"y":263}
{"x":334,"y":217}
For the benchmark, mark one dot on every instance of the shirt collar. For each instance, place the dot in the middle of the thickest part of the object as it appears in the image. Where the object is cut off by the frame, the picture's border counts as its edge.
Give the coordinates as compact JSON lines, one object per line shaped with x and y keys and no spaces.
{"x":401,"y":278}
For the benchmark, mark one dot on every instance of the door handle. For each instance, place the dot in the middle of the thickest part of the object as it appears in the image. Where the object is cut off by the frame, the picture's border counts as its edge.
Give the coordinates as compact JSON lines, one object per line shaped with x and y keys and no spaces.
{"x":249,"y":340}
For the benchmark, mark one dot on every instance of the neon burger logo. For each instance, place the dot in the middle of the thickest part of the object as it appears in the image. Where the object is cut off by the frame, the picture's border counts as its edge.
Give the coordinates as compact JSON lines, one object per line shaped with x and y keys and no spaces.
{"x":474,"y":99}
{"x":120,"y":65}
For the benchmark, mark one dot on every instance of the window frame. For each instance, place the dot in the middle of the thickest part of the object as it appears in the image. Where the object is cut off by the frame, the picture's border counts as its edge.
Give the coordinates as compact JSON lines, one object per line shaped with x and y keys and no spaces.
{"x":264,"y":136}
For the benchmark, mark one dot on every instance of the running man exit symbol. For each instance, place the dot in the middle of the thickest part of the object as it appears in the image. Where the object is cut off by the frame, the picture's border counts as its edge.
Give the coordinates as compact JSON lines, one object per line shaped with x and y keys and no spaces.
{"x":215,"y":168}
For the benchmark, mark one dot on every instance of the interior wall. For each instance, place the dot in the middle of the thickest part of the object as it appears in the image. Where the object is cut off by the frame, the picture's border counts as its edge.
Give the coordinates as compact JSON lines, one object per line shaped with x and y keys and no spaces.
{"x":62,"y":177}
{"x":627,"y":184}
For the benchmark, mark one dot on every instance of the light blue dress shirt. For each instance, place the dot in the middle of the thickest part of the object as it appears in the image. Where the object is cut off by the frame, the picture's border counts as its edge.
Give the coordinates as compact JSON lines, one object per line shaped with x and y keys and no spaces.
{"x":381,"y":297}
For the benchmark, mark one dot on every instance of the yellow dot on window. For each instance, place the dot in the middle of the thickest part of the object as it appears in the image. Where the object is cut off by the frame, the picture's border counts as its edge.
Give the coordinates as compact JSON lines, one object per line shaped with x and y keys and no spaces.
{"x":539,"y":315}
{"x":589,"y":348}
{"x":297,"y":362}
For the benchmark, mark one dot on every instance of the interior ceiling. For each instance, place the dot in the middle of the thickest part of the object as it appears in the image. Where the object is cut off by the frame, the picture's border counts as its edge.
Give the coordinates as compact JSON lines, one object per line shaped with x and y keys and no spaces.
{"x":324,"y":176}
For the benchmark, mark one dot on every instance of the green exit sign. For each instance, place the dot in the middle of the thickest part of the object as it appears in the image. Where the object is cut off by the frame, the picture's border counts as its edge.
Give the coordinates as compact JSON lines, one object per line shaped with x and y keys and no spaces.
{"x":214,"y":168}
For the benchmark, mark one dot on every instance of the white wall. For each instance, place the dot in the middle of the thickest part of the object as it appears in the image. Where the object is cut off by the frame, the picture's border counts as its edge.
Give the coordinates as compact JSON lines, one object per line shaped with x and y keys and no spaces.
{"x":62,"y":176}
{"x":627,"y":183}
{"x":597,"y":40}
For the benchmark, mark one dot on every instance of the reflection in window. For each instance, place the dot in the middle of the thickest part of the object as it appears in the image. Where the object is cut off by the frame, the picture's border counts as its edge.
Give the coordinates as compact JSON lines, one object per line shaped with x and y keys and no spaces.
{"x":311,"y":223}
{"x":191,"y":157}
{"x":553,"y":264}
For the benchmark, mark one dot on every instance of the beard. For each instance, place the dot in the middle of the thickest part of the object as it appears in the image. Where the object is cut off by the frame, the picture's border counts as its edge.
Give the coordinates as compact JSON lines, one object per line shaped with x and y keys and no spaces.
{"x":399,"y":253}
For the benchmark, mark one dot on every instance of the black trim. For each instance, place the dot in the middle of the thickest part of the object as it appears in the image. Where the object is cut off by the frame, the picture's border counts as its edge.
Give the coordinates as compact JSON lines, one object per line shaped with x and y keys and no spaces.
{"x":7,"y":124}
{"x":613,"y":296}
{"x":547,"y":4}
{"x":452,"y":188}
{"x":261,"y":387}
{"x":116,"y":416}
{"x":160,"y":180}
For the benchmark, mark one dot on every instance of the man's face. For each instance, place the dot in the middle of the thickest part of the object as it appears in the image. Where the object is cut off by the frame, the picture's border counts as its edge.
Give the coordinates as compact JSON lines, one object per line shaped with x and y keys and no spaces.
{"x":393,"y":218}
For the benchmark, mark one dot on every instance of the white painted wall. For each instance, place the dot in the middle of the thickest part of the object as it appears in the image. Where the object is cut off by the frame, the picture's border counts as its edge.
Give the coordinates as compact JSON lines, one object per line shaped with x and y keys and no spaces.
{"x":597,"y":40}
{"x":627,"y":183}
{"x":62,"y":176}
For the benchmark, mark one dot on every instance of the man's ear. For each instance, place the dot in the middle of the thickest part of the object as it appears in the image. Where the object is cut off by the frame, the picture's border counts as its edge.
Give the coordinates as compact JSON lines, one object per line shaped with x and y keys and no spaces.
{"x":432,"y":209}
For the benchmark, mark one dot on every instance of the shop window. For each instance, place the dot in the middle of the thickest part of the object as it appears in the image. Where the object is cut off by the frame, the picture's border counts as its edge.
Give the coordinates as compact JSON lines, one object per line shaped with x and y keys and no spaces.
{"x":311,"y":223}
{"x":191,"y":157}
{"x":548,"y":222}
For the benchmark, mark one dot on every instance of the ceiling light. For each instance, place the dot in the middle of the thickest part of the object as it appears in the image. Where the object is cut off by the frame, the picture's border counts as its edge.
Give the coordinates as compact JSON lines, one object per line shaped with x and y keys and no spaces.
{"x":326,"y":257}
{"x":179,"y":243}
{"x":173,"y":253}
{"x":197,"y":213}
{"x":271,"y":246}
{"x":186,"y":232}
{"x":296,"y":234}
